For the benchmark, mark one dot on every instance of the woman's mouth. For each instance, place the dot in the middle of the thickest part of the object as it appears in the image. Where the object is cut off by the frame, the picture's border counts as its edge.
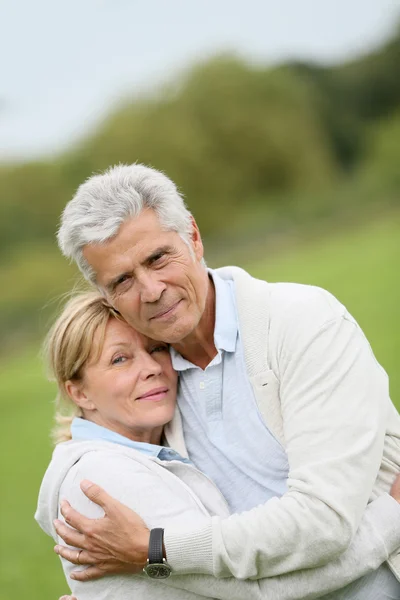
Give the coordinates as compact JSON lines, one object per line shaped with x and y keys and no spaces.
{"x":154,"y":395}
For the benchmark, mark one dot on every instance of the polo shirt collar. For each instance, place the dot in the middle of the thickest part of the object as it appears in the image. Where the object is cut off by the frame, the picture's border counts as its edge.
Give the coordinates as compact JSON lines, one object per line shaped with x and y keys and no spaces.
{"x":226,"y":322}
{"x":82,"y":429}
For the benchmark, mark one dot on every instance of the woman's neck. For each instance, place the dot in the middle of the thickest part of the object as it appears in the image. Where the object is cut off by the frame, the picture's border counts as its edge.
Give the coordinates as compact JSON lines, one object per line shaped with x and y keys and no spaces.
{"x":148,"y":436}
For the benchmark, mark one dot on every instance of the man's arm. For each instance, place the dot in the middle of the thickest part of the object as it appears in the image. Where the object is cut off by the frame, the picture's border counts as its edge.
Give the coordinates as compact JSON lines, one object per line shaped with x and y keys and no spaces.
{"x":334,"y":400}
{"x":377,"y":537}
{"x":362,"y":557}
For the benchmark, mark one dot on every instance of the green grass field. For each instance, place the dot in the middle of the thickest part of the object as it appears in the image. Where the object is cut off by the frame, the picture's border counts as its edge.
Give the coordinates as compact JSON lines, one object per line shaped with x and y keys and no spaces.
{"x":360,"y":267}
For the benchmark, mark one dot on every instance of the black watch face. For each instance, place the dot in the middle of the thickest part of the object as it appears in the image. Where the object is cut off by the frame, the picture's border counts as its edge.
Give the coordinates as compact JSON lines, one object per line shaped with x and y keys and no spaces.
{"x":158,"y":571}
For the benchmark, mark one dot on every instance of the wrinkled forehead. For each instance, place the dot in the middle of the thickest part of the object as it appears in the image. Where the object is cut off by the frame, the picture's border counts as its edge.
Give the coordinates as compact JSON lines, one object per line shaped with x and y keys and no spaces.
{"x":135,"y":241}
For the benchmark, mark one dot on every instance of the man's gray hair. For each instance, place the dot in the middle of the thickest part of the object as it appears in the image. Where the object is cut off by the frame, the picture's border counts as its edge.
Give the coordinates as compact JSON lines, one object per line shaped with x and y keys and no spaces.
{"x":104,"y":202}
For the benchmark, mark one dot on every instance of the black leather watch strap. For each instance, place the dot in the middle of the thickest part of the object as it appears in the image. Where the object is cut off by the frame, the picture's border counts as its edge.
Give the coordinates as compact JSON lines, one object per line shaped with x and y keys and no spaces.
{"x":156,"y":554}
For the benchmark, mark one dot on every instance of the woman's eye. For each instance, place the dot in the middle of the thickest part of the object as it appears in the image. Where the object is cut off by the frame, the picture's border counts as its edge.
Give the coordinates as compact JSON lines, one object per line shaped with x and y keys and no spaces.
{"x":118,"y":360}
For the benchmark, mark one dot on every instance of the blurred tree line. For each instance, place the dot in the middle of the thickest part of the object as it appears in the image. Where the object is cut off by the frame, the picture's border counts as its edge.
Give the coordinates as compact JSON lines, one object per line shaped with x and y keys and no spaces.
{"x":248,"y":146}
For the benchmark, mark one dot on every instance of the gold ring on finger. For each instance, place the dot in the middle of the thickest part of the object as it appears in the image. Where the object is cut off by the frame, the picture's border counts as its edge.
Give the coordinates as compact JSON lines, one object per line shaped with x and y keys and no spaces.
{"x":77,"y":557}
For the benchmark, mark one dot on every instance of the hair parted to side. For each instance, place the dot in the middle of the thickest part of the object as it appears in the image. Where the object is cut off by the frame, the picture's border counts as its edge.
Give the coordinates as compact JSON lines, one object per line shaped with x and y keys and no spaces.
{"x":105,"y":201}
{"x":67,"y":348}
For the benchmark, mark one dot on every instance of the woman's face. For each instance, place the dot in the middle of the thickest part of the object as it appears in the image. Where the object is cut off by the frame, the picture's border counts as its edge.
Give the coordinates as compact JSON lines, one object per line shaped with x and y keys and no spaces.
{"x":131,"y":387}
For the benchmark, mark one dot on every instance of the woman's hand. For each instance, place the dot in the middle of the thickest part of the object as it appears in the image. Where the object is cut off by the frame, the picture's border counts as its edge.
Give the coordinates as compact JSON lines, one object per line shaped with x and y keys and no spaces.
{"x":116,"y":543}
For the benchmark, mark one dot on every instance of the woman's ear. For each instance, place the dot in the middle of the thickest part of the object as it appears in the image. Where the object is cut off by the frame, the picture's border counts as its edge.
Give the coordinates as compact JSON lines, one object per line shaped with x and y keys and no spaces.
{"x":76,"y":392}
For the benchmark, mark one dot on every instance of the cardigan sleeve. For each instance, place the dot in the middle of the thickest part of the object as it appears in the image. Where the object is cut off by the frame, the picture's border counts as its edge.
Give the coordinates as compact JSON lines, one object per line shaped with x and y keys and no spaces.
{"x":334,"y":402}
{"x":377,"y":537}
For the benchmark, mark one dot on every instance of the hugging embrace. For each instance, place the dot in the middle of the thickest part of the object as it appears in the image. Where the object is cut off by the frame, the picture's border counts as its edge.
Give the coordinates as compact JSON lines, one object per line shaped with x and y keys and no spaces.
{"x":227,"y":437}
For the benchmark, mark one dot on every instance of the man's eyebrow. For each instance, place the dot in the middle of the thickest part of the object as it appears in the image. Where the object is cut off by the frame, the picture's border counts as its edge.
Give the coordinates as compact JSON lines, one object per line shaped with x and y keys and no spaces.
{"x":156,"y":253}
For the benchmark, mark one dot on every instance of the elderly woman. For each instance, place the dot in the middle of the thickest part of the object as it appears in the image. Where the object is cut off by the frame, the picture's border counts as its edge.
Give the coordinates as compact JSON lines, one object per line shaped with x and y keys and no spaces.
{"x":121,"y":388}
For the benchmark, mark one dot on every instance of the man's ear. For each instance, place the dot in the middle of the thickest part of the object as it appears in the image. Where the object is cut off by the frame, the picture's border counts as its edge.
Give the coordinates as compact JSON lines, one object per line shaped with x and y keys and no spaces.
{"x":76,"y":392}
{"x":197,"y":242}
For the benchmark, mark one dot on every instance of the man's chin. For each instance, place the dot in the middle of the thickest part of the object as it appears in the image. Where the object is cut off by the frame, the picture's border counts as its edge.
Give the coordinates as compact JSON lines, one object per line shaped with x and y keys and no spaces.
{"x":172,"y":333}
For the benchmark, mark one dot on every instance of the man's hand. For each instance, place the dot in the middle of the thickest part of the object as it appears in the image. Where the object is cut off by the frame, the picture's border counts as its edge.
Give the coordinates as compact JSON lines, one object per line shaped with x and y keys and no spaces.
{"x":395,"y":489}
{"x":116,"y":543}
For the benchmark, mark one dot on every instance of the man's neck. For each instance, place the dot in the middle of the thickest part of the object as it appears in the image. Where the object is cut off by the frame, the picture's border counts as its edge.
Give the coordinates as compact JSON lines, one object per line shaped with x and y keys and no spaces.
{"x":199,"y":348}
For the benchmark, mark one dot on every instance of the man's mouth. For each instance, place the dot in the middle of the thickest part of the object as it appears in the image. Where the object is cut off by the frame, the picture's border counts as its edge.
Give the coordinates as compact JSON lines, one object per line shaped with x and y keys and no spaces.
{"x":165,"y":312}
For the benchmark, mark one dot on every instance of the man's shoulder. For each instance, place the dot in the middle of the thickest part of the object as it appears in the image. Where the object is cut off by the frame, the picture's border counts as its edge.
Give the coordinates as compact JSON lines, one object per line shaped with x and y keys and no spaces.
{"x":288,"y":293}
{"x":286,"y":302}
{"x":303,"y":297}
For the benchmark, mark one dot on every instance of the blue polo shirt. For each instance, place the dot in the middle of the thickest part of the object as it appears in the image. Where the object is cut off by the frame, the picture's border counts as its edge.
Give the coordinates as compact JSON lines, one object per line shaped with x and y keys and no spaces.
{"x":224,"y":433}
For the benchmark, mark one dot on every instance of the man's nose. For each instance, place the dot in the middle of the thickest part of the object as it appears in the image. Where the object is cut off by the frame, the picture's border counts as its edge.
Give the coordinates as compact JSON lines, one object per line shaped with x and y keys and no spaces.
{"x":149,"y":366}
{"x":151,"y":288}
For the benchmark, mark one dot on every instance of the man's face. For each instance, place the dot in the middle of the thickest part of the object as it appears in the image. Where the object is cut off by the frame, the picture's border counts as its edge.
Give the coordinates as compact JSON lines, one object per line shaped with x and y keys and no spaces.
{"x":152,"y":277}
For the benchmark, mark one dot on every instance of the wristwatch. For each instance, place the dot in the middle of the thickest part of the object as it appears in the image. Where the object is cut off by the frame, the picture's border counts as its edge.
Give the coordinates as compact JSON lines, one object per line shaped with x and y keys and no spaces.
{"x":157,"y":567}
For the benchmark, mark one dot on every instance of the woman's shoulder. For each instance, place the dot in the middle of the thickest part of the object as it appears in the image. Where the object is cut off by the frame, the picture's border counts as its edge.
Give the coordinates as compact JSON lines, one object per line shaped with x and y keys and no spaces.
{"x":110,"y":462}
{"x":139,"y":482}
{"x":124,"y":473}
{"x":95,"y":453}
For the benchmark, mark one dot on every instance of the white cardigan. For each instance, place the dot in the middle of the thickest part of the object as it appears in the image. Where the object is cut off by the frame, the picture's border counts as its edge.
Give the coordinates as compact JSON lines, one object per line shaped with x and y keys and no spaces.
{"x":175,"y":494}
{"x":325,"y":398}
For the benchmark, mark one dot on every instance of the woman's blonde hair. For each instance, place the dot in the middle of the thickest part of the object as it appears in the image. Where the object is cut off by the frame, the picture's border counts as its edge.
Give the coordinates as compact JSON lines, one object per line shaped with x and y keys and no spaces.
{"x":67,"y":348}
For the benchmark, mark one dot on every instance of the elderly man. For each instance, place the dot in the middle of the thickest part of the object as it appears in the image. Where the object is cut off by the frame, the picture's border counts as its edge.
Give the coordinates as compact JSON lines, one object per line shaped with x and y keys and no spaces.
{"x":281,"y":401}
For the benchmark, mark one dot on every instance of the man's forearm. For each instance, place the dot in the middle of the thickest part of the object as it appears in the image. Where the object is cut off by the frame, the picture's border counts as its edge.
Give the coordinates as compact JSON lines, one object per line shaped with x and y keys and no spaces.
{"x":334,"y":456}
{"x":377,"y":537}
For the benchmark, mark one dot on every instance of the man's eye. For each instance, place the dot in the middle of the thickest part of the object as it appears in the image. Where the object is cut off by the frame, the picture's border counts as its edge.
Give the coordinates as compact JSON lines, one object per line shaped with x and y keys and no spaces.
{"x":158,"y":257}
{"x":123,"y":279}
{"x":159,"y":349}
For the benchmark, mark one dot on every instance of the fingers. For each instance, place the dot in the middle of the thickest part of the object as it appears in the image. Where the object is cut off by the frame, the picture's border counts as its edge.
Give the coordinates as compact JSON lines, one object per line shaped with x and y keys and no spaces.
{"x":68,"y":598}
{"x":74,"y":518}
{"x":96,"y":494}
{"x":88,"y":574}
{"x":76,"y":557}
{"x":70,"y":536}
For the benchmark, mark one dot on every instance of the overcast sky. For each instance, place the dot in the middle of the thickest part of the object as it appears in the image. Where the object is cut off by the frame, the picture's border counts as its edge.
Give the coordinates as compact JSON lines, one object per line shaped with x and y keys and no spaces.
{"x":63,"y":64}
